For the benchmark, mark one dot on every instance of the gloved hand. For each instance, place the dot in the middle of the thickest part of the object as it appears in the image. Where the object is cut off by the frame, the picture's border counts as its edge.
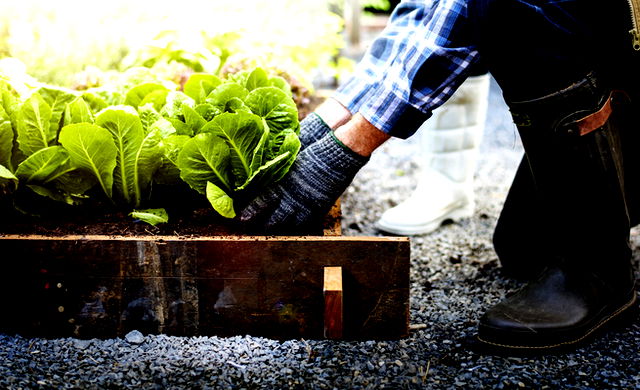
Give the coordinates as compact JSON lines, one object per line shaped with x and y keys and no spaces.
{"x":305,"y":195}
{"x":312,"y":128}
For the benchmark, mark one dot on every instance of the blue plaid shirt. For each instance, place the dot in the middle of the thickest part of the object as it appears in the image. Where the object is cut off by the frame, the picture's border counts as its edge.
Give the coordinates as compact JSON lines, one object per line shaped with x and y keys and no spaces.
{"x":414,"y":66}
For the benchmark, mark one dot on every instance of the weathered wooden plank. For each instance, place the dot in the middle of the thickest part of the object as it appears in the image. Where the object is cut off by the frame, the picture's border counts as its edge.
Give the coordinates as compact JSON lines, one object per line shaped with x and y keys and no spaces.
{"x":102,"y":286}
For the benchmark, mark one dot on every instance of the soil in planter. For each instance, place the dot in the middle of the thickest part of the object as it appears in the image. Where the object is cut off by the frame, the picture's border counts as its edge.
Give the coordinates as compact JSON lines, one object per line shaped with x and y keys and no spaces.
{"x":194,"y":217}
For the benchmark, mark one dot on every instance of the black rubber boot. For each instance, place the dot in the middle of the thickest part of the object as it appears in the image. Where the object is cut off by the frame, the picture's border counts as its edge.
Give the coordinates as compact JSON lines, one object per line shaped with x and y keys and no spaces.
{"x":573,"y":150}
{"x":521,"y":232}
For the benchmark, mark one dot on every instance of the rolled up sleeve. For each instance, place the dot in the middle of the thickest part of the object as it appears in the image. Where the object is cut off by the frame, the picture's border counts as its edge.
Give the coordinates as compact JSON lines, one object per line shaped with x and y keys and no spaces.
{"x":414,"y":66}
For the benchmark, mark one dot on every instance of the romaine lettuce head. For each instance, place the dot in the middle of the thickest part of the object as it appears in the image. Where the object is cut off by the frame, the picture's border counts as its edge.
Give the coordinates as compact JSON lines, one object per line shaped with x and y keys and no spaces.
{"x":245,"y":137}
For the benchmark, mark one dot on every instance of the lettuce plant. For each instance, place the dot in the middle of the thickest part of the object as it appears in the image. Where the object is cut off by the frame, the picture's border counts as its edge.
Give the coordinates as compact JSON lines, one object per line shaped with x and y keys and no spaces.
{"x":227,"y":139}
{"x":29,"y":144}
{"x":250,"y":142}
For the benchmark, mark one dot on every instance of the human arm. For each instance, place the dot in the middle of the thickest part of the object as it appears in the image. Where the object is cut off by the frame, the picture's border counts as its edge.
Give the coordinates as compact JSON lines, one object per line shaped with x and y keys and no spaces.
{"x":370,"y":71}
{"x":415,"y":64}
{"x":360,"y":136}
{"x":393,"y":99}
{"x":422,"y":57}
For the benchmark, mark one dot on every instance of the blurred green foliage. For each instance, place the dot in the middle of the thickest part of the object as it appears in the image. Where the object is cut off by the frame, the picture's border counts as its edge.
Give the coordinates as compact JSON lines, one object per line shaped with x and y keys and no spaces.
{"x":379,"y":5}
{"x":59,"y":39}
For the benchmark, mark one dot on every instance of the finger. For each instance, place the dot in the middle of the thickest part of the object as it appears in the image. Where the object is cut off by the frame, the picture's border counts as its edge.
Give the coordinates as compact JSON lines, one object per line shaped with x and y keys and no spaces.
{"x":260,"y":208}
{"x":289,"y":218}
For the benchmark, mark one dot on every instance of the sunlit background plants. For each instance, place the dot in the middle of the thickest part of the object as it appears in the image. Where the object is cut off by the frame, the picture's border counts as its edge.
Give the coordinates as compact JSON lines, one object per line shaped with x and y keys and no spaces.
{"x":70,"y":42}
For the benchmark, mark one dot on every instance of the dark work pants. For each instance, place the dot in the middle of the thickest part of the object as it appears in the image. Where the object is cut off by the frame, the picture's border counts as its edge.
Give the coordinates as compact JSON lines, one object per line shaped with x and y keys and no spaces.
{"x":535,"y":48}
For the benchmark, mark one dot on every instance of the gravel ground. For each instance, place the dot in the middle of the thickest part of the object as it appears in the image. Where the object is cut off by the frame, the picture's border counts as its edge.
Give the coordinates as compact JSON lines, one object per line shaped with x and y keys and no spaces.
{"x":454,"y":278}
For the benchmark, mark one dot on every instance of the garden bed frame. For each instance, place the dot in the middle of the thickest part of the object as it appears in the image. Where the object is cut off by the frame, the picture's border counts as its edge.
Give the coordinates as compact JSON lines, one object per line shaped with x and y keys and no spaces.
{"x":272,"y":286}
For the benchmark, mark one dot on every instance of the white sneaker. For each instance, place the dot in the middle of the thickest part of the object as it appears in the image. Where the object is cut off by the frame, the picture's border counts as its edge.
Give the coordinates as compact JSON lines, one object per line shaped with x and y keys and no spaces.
{"x":436,"y":199}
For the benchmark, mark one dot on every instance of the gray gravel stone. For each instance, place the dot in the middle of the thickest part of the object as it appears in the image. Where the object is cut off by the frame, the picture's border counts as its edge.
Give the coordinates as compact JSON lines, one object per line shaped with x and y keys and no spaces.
{"x":81,"y":344}
{"x":134,"y":337}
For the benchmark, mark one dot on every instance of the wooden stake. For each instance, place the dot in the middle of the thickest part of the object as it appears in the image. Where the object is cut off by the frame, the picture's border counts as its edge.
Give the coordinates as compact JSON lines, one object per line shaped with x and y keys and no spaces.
{"x":333,"y":302}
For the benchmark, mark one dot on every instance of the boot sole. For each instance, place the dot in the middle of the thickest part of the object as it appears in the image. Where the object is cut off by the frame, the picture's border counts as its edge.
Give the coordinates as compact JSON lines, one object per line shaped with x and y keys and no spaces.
{"x":427,"y":227}
{"x":498,"y":347}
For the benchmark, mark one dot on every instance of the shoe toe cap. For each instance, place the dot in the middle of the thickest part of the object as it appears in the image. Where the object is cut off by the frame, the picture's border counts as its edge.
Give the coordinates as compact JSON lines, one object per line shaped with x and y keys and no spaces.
{"x":524,"y":318}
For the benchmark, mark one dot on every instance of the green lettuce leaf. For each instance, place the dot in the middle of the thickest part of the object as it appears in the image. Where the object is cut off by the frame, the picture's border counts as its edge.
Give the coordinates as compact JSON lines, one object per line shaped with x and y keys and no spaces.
{"x":268,"y":173}
{"x":126,"y":129}
{"x":200,"y":85}
{"x":208,"y":111}
{"x":137,"y":94}
{"x":168,"y":172}
{"x":57,"y":99}
{"x":256,"y":118}
{"x":148,"y":116}
{"x":193,"y":120}
{"x":276,"y":107}
{"x":220,"y":201}
{"x":260,"y":155}
{"x":96,"y":102}
{"x":6,"y":140}
{"x":71,"y":180}
{"x":151,"y":216}
{"x":181,"y":127}
{"x":138,"y":155}
{"x":78,"y":111}
{"x":91,"y":148}
{"x":148,"y":160}
{"x":220,"y":96}
{"x":53,"y":194}
{"x":173,"y":108}
{"x":8,"y":101}
{"x":205,"y":158}
{"x":164,"y":127}
{"x":43,"y":164}
{"x":34,"y":125}
{"x":8,"y":181}
{"x":285,"y":142}
{"x":238,"y":77}
{"x":257,"y":78}
{"x":236,"y":105}
{"x":152,"y":120}
{"x":242,"y":132}
{"x":173,"y":111}
{"x":280,"y":83}
{"x":157,"y":98}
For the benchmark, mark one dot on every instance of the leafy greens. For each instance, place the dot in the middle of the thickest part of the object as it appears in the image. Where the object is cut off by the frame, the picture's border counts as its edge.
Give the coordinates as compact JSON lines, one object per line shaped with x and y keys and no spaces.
{"x":227,"y":139}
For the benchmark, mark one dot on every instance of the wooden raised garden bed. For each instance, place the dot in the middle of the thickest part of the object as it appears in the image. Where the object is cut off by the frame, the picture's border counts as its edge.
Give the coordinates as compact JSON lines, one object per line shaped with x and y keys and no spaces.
{"x":105,"y":285}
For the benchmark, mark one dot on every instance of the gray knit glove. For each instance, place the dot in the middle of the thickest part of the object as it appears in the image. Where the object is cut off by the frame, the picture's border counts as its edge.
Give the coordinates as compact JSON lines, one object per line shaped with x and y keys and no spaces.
{"x":299,"y":201}
{"x":312,"y":128}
